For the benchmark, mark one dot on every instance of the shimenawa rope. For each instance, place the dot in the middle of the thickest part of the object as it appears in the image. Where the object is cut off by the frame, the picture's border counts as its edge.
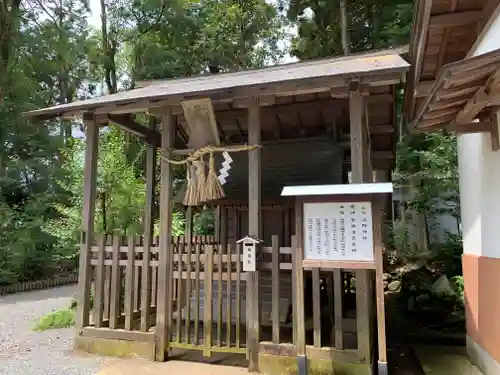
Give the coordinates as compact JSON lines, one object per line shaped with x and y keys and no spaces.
{"x":200,"y":189}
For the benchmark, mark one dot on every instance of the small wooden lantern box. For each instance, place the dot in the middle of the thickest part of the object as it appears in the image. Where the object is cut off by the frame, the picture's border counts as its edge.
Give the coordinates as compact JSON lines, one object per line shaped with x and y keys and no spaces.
{"x":342,"y":228}
{"x":249,"y":245}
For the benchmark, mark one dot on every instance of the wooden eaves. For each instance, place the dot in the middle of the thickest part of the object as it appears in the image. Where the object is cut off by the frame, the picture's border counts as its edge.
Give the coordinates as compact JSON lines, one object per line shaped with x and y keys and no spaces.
{"x":462,"y":97}
{"x":297,"y":100}
{"x":443,"y":31}
{"x":320,"y":75}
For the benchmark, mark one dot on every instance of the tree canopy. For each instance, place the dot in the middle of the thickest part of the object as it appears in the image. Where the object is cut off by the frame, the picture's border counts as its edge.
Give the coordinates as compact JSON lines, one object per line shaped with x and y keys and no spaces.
{"x":50,"y":54}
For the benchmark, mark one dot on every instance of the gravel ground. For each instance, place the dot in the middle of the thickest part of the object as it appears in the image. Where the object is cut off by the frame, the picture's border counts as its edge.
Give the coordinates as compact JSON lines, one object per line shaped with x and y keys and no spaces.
{"x":26,"y":352}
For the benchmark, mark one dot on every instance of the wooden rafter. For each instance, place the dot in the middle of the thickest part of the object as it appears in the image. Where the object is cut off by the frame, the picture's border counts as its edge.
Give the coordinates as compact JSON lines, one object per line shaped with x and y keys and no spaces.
{"x":481,"y":99}
{"x":446,"y":36}
{"x":126,"y":123}
{"x":423,"y":89}
{"x":455,"y":19}
{"x":417,"y":50}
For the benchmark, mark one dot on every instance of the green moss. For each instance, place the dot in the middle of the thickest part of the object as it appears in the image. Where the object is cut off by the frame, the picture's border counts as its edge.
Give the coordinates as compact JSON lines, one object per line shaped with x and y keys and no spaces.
{"x":115,"y":348}
{"x":57,"y":319}
{"x":281,"y":365}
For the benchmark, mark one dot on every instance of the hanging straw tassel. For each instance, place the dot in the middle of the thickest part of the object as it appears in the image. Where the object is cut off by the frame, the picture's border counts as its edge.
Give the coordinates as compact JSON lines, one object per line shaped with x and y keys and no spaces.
{"x":200,"y":181}
{"x":191,"y":194}
{"x":213,"y":187}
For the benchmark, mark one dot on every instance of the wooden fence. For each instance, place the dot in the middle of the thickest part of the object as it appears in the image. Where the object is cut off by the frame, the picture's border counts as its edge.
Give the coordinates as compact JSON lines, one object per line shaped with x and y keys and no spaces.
{"x":209,"y":297}
{"x":26,"y":286}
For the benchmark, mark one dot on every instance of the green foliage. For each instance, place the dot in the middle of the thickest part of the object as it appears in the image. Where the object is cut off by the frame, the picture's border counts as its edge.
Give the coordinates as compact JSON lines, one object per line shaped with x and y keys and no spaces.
{"x":50,"y":55}
{"x":371,"y":25}
{"x":64,"y":318}
{"x":429,"y":162}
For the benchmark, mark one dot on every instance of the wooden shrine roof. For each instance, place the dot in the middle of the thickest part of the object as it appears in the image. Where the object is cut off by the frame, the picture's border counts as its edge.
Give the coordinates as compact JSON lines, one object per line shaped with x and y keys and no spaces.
{"x":444,"y":31}
{"x":303,"y":77}
{"x":298,"y":100}
{"x":463,"y":91}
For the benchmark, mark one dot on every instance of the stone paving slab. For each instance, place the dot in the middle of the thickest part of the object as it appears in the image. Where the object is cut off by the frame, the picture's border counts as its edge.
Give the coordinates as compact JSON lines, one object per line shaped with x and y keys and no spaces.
{"x":445,"y":360}
{"x":144,"y":367}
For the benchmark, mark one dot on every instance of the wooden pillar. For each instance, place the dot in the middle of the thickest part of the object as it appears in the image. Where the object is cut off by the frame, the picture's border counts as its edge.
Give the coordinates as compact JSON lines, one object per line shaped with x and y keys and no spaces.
{"x":359,"y":145}
{"x":223,"y":219}
{"x":254,"y":229}
{"x":360,"y":169}
{"x":89,"y":198}
{"x":146,"y":286}
{"x":188,"y":228}
{"x":163,"y":312}
{"x":217,"y":223}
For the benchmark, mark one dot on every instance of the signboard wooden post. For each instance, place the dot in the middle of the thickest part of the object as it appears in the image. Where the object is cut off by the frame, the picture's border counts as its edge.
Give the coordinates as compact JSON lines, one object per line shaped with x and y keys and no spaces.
{"x":342,"y":229}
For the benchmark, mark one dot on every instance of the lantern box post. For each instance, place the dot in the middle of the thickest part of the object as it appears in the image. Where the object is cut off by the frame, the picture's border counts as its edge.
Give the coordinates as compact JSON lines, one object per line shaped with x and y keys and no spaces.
{"x":341,"y":228}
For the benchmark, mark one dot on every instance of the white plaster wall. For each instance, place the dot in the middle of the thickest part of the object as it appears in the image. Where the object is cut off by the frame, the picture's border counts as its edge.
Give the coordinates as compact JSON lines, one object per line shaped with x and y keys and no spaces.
{"x":491,"y":200}
{"x":470,"y":182}
{"x":490,"y":40}
{"x":479,"y":169}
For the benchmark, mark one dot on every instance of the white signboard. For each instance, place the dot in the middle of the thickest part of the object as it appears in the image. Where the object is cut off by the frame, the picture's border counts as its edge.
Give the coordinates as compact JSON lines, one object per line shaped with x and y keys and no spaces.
{"x":249,"y":258}
{"x":338,"y":231}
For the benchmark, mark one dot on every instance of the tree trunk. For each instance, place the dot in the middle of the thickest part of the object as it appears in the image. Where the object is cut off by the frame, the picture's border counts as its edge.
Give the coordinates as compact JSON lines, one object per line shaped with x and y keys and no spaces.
{"x":9,"y":26}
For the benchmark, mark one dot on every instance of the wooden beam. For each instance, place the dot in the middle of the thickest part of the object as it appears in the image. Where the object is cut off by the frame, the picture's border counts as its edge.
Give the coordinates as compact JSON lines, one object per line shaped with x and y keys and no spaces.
{"x":471,"y":127}
{"x":89,"y":198}
{"x":431,"y":123}
{"x":455,"y":19}
{"x":456,"y":93}
{"x":265,"y":101}
{"x":164,"y":309}
{"x":254,"y":229}
{"x":475,"y":105}
{"x":417,"y":50}
{"x":423,"y":89}
{"x":495,"y":131}
{"x":444,"y":41}
{"x":133,"y":107}
{"x":439,"y":113}
{"x":126,"y":123}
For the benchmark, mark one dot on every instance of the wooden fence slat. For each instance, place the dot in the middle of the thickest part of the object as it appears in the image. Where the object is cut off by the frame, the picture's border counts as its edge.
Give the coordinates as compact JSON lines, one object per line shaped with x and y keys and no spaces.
{"x":238,"y":295}
{"x":154,"y":283}
{"x":99,"y":285}
{"x":129,"y":286}
{"x":189,"y":283}
{"x":114,"y":310}
{"x":338,"y":286}
{"x":316,"y":308}
{"x":298,"y":273}
{"x":229,"y":322}
{"x":219,"y":296}
{"x":146,"y":285}
{"x":197,"y":294}
{"x":179,"y":296}
{"x":107,"y":281}
{"x":207,"y":324}
{"x":276,"y":289}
